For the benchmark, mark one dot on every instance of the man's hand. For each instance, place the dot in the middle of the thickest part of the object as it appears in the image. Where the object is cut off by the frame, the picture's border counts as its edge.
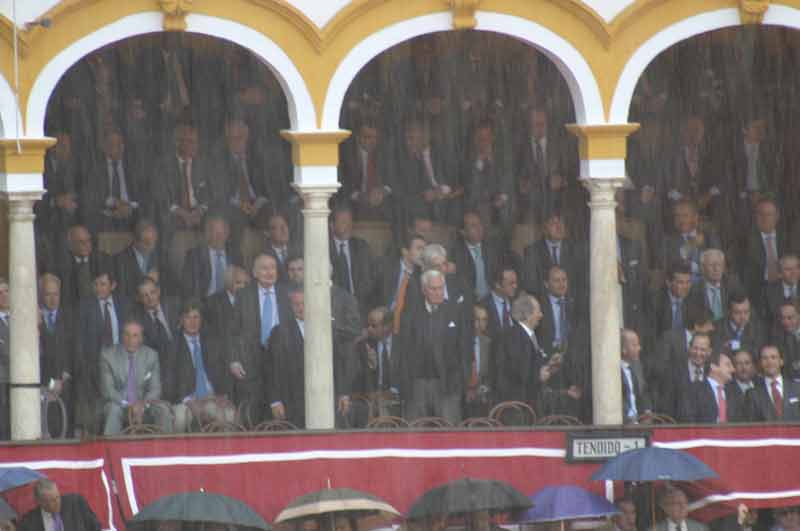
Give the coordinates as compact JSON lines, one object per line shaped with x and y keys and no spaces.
{"x":137,"y":409}
{"x":557,"y":182}
{"x":545,"y":373}
{"x":376,"y":196}
{"x":430,"y":195}
{"x":248,"y":207}
{"x":279,"y":411}
{"x":472,"y":394}
{"x":237,"y":370}
{"x":344,"y":405}
{"x":122,"y":210}
{"x":500,"y":200}
{"x":648,"y":194}
{"x":575,"y":392}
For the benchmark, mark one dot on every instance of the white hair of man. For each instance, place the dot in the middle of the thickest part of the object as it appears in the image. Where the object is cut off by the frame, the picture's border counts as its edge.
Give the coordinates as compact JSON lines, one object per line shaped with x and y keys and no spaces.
{"x":430,"y":253}
{"x":523,"y":307}
{"x":429,"y":275}
{"x":711,"y":253}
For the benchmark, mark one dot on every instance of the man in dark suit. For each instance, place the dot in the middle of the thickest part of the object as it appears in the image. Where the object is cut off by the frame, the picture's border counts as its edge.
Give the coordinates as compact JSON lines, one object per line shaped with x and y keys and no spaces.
{"x":204,"y":267}
{"x":715,"y":285}
{"x":787,"y":339}
{"x":113,"y":196}
{"x":434,"y":346}
{"x":778,"y":398}
{"x":488,"y":188}
{"x":687,"y":240}
{"x":143,"y":258}
{"x":240,"y":172}
{"x":286,"y":373}
{"x":668,"y":307}
{"x":278,"y":243}
{"x":366,"y":178}
{"x":679,"y":377}
{"x":159,"y":316}
{"x":481,"y":386}
{"x":394,"y":277}
{"x":672,"y":350}
{"x":561,"y":314}
{"x":351,"y":258}
{"x":58,"y":208}
{"x":635,"y":399}
{"x":100,"y":320}
{"x":78,"y":266}
{"x":57,"y":344}
{"x":196,"y":370}
{"x":54,"y":512}
{"x":707,"y":401}
{"x":422,"y":179}
{"x":764,"y":246}
{"x":787,"y":290}
{"x":376,"y":367}
{"x":219,"y":313}
{"x":475,"y":256}
{"x":555,"y":249}
{"x":522,"y":367}
{"x":632,"y":275}
{"x":740,"y":328}
{"x":185,"y":188}
{"x":498,"y":303}
{"x":744,"y":379}
{"x":260,"y":307}
{"x":692,"y":168}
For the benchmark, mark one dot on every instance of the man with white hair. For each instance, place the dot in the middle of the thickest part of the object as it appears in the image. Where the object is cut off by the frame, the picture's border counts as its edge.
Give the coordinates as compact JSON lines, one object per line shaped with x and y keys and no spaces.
{"x":715,"y":285}
{"x":434,"y":346}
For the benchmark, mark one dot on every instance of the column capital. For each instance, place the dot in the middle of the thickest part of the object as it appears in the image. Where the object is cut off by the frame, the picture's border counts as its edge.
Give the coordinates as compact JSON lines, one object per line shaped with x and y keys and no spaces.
{"x":602,"y":191}
{"x":602,"y":148}
{"x":28,"y":159}
{"x":315,"y":148}
{"x":316,"y":197}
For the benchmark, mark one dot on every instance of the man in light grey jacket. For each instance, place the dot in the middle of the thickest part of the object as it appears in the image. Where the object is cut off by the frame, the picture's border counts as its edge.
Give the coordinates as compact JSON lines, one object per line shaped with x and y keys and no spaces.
{"x":130,"y":379}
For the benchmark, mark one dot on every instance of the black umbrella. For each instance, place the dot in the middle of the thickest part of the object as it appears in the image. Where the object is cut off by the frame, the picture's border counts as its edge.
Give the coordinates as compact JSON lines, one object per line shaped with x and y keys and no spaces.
{"x":469,"y":495}
{"x":201,"y":507}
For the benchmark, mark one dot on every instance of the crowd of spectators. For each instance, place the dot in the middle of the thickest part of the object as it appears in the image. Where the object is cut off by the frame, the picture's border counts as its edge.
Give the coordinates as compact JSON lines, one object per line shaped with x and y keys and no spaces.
{"x":475,"y":290}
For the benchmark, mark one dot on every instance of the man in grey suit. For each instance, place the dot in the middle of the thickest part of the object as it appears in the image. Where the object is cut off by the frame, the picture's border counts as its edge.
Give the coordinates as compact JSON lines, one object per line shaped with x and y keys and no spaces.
{"x":675,"y":505}
{"x":129,"y":378}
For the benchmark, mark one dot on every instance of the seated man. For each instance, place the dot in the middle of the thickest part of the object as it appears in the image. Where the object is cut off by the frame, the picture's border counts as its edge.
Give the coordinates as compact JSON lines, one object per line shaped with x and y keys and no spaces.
{"x":376,"y":368}
{"x":715,"y":285}
{"x":707,"y":400}
{"x":142,"y":259}
{"x":635,"y":400}
{"x":480,"y":386}
{"x":787,"y":289}
{"x":278,"y":243}
{"x":159,"y":316}
{"x":205,"y":265}
{"x":488,"y":185}
{"x":739,"y":329}
{"x":787,"y":338}
{"x":196,"y":370}
{"x":130,"y":377}
{"x":744,"y":379}
{"x":687,"y":240}
{"x":561,"y":314}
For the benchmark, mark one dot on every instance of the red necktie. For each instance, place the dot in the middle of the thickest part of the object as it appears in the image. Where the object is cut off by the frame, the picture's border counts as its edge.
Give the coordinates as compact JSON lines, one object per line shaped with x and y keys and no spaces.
{"x":372,"y":172}
{"x":722,"y":404}
{"x":777,"y":398}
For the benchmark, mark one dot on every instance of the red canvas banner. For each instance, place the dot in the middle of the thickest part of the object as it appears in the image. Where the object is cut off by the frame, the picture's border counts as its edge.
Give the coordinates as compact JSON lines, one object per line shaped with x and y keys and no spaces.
{"x":268,"y":470}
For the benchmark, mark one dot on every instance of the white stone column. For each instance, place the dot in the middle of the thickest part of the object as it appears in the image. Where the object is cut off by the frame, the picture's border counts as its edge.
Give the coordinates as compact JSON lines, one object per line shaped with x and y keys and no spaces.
{"x":26,"y":410}
{"x":605,"y":302}
{"x":319,"y":387}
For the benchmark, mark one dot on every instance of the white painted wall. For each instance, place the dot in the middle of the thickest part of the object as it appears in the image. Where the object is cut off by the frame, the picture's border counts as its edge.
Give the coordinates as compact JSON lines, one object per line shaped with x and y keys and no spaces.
{"x":319,"y":11}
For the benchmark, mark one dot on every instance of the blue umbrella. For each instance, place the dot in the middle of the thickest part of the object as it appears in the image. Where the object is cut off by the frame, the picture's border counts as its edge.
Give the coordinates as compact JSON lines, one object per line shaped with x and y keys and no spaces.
{"x":6,"y":511}
{"x":566,"y":502}
{"x":16,"y":476}
{"x":654,"y":464}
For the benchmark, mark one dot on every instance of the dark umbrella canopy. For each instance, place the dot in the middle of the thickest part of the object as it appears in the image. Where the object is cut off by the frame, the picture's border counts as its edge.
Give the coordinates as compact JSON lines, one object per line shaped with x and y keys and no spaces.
{"x":201,"y":507}
{"x":467,"y":496}
{"x":6,"y":511}
{"x":566,"y":502}
{"x":654,"y":464}
{"x":327,"y":501}
{"x":16,"y":476}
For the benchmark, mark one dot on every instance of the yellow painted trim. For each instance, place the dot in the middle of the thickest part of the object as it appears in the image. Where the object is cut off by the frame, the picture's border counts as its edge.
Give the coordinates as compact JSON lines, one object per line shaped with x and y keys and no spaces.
{"x":602,"y":141}
{"x":29,"y":160}
{"x":315,"y":149}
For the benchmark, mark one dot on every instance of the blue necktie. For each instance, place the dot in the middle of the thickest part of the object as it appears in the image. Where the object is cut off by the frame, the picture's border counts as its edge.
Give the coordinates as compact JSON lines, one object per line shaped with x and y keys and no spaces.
{"x":266,"y":318}
{"x":51,"y":320}
{"x":201,"y":388}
